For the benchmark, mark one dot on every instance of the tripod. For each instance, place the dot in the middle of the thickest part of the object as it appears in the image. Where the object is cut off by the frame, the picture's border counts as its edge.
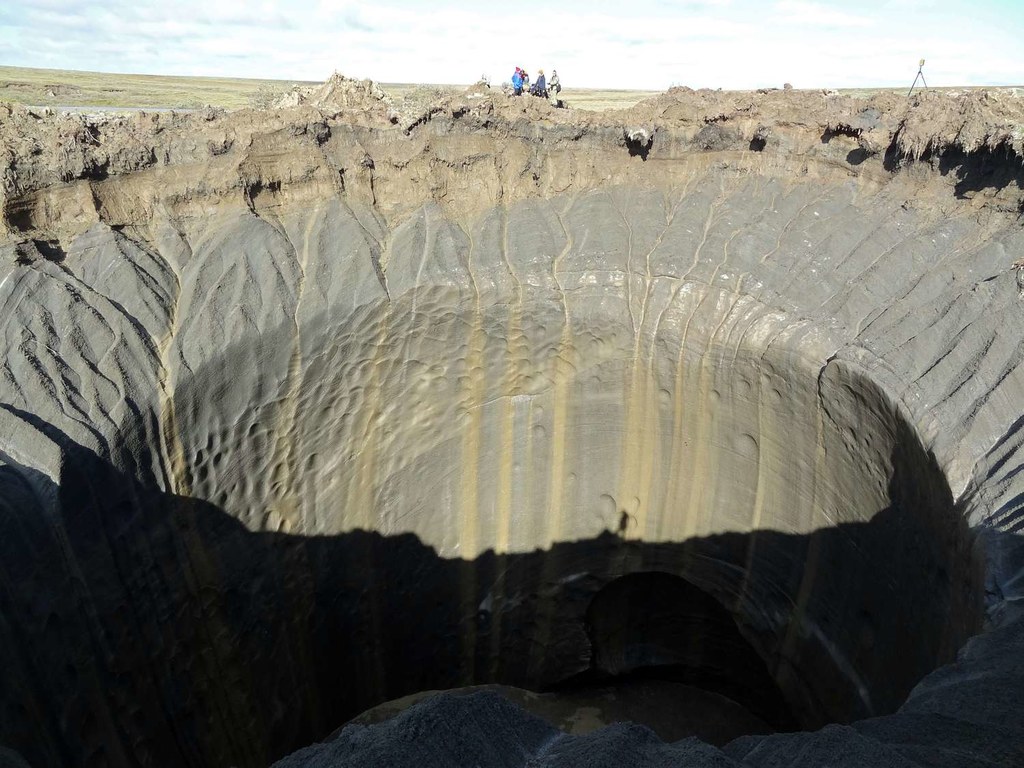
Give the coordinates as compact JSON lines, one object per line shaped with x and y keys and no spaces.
{"x":920,"y":74}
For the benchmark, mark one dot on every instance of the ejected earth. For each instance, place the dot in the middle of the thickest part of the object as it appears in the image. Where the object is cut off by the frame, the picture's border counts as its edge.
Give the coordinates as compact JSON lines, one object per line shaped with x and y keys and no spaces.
{"x":492,"y":433}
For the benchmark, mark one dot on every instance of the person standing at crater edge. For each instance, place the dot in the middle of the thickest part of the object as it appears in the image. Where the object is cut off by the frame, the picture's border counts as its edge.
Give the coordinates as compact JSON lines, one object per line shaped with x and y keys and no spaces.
{"x":540,"y":87}
{"x":517,"y":82}
{"x":554,"y":86}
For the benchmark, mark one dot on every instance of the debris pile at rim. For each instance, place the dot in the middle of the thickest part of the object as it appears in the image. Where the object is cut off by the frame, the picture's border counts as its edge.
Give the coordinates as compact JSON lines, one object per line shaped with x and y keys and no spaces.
{"x":306,"y":410}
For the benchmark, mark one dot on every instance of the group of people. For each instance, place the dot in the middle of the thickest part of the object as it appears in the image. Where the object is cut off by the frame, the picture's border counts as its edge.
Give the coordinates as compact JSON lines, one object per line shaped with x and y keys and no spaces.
{"x":546,"y":89}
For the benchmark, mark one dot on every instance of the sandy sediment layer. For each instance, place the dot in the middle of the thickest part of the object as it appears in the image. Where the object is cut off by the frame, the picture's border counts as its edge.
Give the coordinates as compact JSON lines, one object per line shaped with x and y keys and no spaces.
{"x":306,"y":410}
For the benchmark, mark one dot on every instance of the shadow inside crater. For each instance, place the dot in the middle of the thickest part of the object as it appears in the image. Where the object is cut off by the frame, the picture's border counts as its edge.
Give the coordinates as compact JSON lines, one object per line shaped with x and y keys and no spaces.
{"x":139,"y":627}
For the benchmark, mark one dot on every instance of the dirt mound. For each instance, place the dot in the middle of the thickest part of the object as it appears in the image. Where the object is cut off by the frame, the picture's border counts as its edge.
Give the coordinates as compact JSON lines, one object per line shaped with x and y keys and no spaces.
{"x":338,"y":93}
{"x":969,"y":121}
{"x":929,"y":123}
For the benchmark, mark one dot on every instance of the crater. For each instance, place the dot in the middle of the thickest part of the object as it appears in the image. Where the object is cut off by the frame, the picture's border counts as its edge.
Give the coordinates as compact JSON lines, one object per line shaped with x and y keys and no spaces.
{"x":707,"y":443}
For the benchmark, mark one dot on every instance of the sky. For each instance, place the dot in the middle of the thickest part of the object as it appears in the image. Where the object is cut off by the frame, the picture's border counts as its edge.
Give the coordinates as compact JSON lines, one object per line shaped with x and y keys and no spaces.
{"x":635,"y":44}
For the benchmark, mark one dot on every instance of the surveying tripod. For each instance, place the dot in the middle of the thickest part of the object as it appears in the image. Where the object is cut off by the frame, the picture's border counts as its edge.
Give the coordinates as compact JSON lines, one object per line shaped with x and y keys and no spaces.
{"x":920,"y":75}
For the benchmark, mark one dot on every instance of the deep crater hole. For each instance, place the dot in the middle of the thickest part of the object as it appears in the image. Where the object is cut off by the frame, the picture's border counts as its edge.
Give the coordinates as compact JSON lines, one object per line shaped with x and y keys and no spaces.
{"x":767,"y":532}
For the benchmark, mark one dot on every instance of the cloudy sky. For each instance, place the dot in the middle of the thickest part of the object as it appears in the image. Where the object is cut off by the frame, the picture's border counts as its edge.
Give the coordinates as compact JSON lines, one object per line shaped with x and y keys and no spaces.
{"x":648,"y":44}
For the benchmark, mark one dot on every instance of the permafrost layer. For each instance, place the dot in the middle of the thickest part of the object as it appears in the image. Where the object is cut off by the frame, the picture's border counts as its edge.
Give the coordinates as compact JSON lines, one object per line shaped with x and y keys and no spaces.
{"x":303,"y":411}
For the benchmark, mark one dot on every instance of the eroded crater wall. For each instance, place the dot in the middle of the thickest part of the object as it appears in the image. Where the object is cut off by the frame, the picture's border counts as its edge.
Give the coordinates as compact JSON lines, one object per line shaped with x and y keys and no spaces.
{"x":509,"y":420}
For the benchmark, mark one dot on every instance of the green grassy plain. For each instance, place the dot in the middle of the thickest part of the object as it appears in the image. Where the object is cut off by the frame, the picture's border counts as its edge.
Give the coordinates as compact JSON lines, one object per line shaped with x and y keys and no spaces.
{"x":70,"y":88}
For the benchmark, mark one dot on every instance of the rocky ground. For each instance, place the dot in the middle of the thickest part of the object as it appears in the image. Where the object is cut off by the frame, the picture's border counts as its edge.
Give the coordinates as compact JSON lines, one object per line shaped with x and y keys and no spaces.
{"x":41,"y":150}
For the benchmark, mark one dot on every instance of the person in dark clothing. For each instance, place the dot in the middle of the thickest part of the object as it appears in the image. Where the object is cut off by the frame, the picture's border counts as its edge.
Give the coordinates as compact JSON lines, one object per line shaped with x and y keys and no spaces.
{"x":540,"y":88}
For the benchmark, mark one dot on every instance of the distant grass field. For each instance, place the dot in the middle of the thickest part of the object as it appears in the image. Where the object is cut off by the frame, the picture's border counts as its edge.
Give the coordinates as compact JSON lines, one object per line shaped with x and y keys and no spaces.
{"x":70,"y":88}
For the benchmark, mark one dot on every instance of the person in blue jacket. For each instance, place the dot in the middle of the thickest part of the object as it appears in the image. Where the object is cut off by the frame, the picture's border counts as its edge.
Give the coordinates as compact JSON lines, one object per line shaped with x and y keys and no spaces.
{"x":517,"y":82}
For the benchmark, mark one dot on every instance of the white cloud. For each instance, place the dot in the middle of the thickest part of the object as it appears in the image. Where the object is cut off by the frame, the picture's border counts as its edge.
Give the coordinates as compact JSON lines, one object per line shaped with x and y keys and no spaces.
{"x":643,"y":44}
{"x":818,"y":15}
